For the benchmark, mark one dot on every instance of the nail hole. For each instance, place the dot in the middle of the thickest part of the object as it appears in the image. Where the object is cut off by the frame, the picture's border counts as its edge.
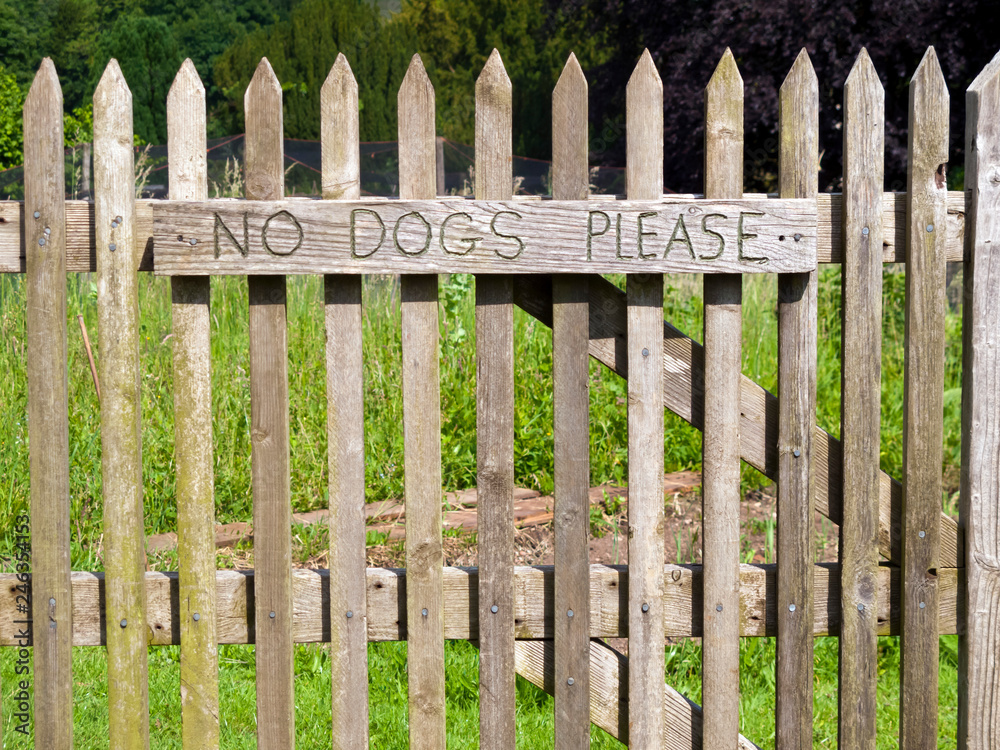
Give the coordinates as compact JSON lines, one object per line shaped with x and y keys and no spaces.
{"x":781,"y":238}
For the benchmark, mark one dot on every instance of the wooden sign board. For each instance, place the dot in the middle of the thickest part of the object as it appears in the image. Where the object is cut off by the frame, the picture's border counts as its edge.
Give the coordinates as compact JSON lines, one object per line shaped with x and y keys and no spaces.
{"x":460,"y":236}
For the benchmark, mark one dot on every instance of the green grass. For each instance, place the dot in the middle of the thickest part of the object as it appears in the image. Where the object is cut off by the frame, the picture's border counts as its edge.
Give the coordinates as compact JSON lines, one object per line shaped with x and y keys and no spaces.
{"x":384,"y":479}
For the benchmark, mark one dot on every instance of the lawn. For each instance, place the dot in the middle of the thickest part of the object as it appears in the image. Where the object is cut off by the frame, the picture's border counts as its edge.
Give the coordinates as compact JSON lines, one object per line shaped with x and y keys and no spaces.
{"x":384,"y":479}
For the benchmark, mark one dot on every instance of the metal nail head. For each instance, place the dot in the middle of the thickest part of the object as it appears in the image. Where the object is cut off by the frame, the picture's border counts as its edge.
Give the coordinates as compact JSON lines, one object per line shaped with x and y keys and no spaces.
{"x":112,"y":247}
{"x":645,"y":608}
{"x":424,"y":612}
{"x":271,"y":615}
{"x":124,"y":623}
{"x":52,"y":602}
{"x":797,"y":237}
{"x":922,"y":534}
{"x":645,"y":352}
{"x":196,"y":617}
{"x":494,"y":609}
{"x":861,"y":608}
{"x":570,"y":680}
{"x":41,"y":241}
{"x":48,"y":231}
{"x":922,"y":605}
{"x":791,"y":607}
{"x":796,"y":453}
{"x":865,"y":231}
{"x":930,"y":227}
{"x":193,"y":241}
{"x":350,"y":614}
{"x":118,"y":219}
{"x":569,"y":613}
{"x":718,"y":607}
{"x":37,"y":215}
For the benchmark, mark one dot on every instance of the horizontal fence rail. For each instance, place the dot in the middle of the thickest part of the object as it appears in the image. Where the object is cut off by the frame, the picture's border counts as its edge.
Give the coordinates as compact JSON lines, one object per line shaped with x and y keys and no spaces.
{"x":905,"y":569}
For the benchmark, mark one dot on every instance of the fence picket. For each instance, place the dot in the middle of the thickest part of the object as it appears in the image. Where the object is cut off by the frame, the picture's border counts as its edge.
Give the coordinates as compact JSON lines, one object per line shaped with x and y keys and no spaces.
{"x":121,"y":441}
{"x":923,"y":418}
{"x":272,"y":510}
{"x":798,"y":176}
{"x":345,"y":426}
{"x":644,"y":180}
{"x":979,"y":670}
{"x":495,"y":425}
{"x":190,"y":311}
{"x":48,"y":408}
{"x":571,"y":433}
{"x":864,"y":105}
{"x":422,"y":430}
{"x":720,"y":654}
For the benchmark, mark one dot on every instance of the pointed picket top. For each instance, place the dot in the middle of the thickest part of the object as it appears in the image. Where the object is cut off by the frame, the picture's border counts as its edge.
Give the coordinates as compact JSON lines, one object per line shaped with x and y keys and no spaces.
{"x":570,"y":148}
{"x":417,"y":147}
{"x":929,"y":113}
{"x":186,"y":145}
{"x":724,"y":130}
{"x":494,"y":164}
{"x":863,"y":75}
{"x":798,"y":130}
{"x":864,"y":118}
{"x":990,"y":75}
{"x":112,"y":92}
{"x":340,"y":133}
{"x":644,"y":131}
{"x":45,"y":89}
{"x":264,"y":147}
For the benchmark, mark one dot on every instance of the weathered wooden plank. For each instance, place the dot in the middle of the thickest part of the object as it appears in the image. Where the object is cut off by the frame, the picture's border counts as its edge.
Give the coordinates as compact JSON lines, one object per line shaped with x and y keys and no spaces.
{"x":864,"y":106}
{"x":438,"y":236}
{"x":923,"y":416}
{"x":533,"y":604}
{"x":272,"y":510}
{"x":495,"y":425}
{"x":720,"y":656}
{"x":683,"y":363}
{"x":798,"y":177}
{"x":608,"y":707}
{"x":422,"y":430}
{"x":829,"y":231}
{"x":48,"y":409}
{"x":571,"y":431}
{"x":345,"y":418}
{"x":121,"y":441}
{"x":979,"y":688}
{"x":193,"y":451}
{"x":644,"y":312}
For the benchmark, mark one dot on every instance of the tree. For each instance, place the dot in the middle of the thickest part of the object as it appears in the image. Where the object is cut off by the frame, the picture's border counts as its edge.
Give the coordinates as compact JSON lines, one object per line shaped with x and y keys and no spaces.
{"x":11,"y":131}
{"x":149,"y":59}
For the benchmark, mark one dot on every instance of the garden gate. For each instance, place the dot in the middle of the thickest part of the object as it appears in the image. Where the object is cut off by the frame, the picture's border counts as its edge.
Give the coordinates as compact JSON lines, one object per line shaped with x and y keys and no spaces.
{"x":547,"y":257}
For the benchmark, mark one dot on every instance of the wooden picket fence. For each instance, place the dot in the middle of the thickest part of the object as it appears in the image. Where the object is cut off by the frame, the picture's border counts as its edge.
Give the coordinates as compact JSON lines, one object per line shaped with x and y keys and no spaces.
{"x":543,"y":623}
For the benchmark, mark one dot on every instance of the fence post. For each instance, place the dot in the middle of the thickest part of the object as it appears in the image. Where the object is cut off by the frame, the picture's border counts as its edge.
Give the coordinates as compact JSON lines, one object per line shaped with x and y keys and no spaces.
{"x":721,"y":438}
{"x":644,"y":315}
{"x":193,"y":449}
{"x":979,"y":664}
{"x":923,"y":417}
{"x":272,"y":508}
{"x":345,"y":420}
{"x":48,"y":408}
{"x":495,"y":425}
{"x":121,"y":436}
{"x":798,"y":177}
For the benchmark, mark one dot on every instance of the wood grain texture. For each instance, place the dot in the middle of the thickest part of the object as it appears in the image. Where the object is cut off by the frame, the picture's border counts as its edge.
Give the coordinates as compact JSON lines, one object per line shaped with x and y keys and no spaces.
{"x":571,"y":430}
{"x":422,"y":430}
{"x":608,"y":707}
{"x":683,"y":363}
{"x":644,"y":312}
{"x":121,"y":444}
{"x":269,"y":447}
{"x":495,"y":425}
{"x":48,"y":410}
{"x":193,"y":450}
{"x":533,"y":604}
{"x":798,"y":177}
{"x":80,"y":247}
{"x":979,"y":690}
{"x":923,"y":402}
{"x":864,"y":107}
{"x":345,"y":426}
{"x":720,"y":656}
